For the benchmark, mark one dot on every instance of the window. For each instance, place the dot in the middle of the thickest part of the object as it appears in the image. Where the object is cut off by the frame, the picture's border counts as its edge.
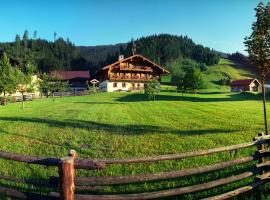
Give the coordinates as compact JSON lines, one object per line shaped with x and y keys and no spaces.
{"x":123,"y":85}
{"x":114,"y":84}
{"x":138,"y":85}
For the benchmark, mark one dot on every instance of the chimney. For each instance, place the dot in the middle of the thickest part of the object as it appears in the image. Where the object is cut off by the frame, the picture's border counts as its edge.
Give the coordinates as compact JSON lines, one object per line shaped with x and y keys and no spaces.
{"x":121,"y":57}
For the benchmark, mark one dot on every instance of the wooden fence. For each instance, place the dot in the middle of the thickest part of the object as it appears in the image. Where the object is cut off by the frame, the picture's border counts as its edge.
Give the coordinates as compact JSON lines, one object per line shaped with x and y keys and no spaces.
{"x":68,"y":183}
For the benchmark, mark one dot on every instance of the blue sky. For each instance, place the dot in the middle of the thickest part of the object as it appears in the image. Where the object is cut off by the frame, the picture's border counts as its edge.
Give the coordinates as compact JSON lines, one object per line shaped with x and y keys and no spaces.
{"x":219,"y":24}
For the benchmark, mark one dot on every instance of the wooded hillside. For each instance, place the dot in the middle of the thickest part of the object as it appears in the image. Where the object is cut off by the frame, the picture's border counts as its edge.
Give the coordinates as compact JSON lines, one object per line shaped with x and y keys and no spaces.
{"x":62,"y":54}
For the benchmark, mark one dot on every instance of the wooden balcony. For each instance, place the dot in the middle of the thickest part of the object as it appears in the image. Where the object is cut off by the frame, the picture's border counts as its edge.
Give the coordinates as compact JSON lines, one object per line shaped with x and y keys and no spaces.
{"x":136,"y":68}
{"x":129,"y":78}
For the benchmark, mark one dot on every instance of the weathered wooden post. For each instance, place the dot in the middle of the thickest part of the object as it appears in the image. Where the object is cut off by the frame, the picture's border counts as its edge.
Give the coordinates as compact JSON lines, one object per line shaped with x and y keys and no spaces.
{"x":67,"y":175}
{"x":261,"y":148}
{"x":261,"y":161}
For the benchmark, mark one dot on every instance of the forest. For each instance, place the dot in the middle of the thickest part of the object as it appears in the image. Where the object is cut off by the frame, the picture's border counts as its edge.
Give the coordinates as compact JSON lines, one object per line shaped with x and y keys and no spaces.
{"x":62,"y":54}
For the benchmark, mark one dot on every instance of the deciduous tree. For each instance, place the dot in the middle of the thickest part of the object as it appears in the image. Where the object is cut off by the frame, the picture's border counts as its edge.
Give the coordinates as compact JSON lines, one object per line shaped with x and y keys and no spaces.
{"x":258,"y":47}
{"x":151,"y":89}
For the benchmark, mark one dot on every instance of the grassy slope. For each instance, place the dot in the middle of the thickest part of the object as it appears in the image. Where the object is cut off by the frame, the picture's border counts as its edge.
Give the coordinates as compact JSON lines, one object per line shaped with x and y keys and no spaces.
{"x":217,"y":72}
{"x":119,"y":125}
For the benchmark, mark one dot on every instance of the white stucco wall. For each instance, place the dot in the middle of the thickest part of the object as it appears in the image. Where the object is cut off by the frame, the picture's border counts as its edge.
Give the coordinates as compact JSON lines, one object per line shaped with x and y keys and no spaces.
{"x":108,"y":86}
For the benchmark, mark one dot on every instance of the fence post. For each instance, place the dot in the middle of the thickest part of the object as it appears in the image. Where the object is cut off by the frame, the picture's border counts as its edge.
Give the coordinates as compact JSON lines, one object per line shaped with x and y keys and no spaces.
{"x":261,"y":148}
{"x":67,"y":175}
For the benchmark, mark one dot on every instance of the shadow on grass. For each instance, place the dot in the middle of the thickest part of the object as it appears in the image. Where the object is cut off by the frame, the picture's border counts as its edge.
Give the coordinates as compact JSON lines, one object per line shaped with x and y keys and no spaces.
{"x":99,"y":103}
{"x":162,"y":97}
{"x":115,"y":129}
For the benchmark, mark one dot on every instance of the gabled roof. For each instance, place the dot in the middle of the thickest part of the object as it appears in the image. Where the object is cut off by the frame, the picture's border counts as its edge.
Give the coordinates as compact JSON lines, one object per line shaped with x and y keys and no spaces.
{"x":136,"y":56}
{"x":244,"y":82}
{"x":68,"y":75}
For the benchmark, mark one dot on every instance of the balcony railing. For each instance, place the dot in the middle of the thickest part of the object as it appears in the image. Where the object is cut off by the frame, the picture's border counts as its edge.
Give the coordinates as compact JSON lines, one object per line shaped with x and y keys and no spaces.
{"x":129,"y":78}
{"x":136,"y":68}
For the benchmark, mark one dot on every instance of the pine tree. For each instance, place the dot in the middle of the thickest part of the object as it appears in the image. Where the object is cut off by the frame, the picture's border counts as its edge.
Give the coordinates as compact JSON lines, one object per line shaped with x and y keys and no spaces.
{"x":25,"y":42}
{"x":24,"y":80}
{"x":18,"y":45}
{"x":8,"y":80}
{"x":35,"y":35}
{"x":25,"y":39}
{"x":258,"y":47}
{"x":54,"y":36}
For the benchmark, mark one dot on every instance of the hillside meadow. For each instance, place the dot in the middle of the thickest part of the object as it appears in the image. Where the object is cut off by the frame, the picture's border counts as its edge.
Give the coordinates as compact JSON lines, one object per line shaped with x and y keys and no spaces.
{"x":124,"y":125}
{"x":214,"y":73}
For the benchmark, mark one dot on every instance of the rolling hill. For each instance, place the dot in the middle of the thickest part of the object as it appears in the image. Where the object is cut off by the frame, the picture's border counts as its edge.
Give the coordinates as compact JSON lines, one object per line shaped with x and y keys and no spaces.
{"x":214,"y":73}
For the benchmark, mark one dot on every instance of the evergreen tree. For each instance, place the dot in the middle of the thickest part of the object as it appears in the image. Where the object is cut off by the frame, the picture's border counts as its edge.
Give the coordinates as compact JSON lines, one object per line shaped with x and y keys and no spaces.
{"x":25,"y":80}
{"x":258,"y":47}
{"x":8,"y":80}
{"x":18,"y":45}
{"x":25,"y":39}
{"x":35,"y":35}
{"x":54,"y":36}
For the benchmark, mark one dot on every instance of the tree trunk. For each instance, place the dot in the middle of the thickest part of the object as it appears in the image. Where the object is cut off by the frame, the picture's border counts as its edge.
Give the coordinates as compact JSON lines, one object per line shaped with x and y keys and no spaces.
{"x":5,"y":99}
{"x":264,"y":107}
{"x":22,"y":102}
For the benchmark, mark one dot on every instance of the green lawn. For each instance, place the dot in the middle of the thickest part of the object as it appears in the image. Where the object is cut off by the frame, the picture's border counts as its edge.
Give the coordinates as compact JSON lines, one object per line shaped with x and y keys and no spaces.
{"x":122,"y":125}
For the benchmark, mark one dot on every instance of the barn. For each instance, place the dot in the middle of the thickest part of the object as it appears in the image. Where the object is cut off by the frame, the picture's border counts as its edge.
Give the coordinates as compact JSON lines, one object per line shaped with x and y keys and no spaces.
{"x":246,"y":85}
{"x":78,"y":80}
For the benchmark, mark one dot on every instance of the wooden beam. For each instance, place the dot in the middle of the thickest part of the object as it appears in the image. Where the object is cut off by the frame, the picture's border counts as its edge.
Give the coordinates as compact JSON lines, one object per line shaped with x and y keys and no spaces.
{"x":177,"y":156}
{"x":169,"y":192}
{"x":112,"y":180}
{"x":236,"y":192}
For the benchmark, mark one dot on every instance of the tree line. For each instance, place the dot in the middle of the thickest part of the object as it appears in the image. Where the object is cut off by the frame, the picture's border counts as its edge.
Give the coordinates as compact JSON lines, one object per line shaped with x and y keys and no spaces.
{"x":62,"y":54}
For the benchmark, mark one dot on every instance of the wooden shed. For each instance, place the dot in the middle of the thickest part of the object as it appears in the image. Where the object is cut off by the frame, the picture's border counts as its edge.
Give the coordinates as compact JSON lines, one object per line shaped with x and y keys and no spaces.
{"x":246,"y":85}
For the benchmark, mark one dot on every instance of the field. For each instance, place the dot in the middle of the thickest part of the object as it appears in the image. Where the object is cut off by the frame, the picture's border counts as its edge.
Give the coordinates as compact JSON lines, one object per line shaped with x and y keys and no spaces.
{"x":122,"y":125}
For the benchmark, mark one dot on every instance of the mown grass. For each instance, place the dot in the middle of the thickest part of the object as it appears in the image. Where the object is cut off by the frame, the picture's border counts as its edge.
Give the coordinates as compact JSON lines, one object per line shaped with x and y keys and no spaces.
{"x":123,"y":125}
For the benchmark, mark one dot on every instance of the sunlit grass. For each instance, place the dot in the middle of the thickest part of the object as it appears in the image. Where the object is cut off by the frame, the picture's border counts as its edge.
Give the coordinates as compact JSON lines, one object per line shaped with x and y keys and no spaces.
{"x":123,"y":125}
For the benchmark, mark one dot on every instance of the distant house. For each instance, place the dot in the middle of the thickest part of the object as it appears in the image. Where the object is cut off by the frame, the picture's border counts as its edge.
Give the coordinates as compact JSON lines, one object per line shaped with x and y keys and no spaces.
{"x":129,"y":74}
{"x":246,"y":85}
{"x":78,"y":80}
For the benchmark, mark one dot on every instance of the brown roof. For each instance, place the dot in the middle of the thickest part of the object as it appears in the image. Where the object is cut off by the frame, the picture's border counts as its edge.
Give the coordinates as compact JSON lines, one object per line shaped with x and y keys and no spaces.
{"x":68,"y":75}
{"x":136,"y":56}
{"x":243,"y":82}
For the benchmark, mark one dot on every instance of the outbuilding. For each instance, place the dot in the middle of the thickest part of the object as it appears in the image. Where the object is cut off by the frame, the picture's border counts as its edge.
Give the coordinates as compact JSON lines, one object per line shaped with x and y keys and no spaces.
{"x":246,"y":85}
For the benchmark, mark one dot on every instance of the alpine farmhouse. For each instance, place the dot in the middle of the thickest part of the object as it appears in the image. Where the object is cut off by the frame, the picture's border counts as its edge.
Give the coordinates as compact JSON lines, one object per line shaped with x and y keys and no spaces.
{"x":128,"y":74}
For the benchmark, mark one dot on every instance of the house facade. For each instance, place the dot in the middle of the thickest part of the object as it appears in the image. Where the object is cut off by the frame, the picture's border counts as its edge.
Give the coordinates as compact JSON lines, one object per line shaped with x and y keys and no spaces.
{"x":77,"y":80}
{"x":246,"y":85}
{"x":128,"y":74}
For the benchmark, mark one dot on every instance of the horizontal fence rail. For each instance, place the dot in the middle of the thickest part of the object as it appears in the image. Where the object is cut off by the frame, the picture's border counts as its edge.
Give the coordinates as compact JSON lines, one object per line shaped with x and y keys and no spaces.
{"x":113,"y":180}
{"x":180,"y":155}
{"x":170,"y":192}
{"x":67,"y":182}
{"x":236,"y":192}
{"x":79,"y":164}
